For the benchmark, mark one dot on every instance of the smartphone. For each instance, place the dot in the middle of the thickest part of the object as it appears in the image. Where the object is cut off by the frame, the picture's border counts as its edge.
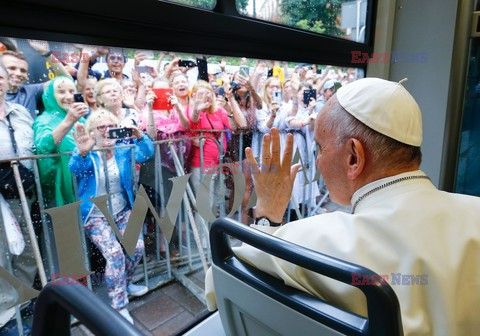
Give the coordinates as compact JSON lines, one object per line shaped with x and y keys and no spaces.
{"x":202,"y":69}
{"x":307,"y":94}
{"x":148,"y":54}
{"x":162,"y":102}
{"x":234,"y":86}
{"x":244,"y":70}
{"x":120,"y":133}
{"x":144,"y":69}
{"x":187,"y":63}
{"x":78,"y":98}
{"x":277,"y":97}
{"x":221,"y":91}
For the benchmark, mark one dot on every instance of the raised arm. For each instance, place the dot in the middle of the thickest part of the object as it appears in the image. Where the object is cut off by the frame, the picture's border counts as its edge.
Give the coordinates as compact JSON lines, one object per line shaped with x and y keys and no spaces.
{"x":181,"y":113}
{"x":237,"y":118}
{"x":256,"y":99}
{"x":43,"y":49}
{"x":151,"y":127}
{"x":75,"y":112}
{"x":274,"y":181}
{"x":83,"y":67}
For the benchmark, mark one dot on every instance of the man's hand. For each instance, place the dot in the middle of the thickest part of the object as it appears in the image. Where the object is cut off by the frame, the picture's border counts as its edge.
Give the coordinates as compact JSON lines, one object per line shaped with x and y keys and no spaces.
{"x":273,"y":180}
{"x":40,"y":46}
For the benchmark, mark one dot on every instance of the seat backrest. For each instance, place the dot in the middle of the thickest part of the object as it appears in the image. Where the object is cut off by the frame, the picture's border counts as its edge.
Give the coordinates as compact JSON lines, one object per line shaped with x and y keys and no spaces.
{"x":251,"y":302}
{"x":56,"y":303}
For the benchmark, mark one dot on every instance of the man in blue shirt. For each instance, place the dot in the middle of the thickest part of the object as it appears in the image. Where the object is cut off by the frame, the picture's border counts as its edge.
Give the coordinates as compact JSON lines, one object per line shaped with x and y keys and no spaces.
{"x":28,"y":95}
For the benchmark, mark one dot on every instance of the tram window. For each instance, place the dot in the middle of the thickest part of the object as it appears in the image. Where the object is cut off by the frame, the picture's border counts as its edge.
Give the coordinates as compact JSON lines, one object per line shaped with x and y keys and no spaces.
{"x":173,"y":271}
{"x":204,"y":4}
{"x":344,"y":19}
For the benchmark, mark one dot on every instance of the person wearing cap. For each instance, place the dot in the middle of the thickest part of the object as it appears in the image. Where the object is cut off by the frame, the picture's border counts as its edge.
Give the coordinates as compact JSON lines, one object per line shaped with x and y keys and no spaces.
{"x":327,"y":92}
{"x":425,"y":241}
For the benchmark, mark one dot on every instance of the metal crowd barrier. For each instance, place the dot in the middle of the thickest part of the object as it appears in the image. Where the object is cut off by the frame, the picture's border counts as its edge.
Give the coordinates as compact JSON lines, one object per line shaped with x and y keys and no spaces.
{"x":191,"y":259}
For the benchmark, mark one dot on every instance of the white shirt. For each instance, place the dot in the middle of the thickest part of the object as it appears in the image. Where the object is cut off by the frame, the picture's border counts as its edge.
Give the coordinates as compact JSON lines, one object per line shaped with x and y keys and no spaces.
{"x":118,"y":200}
{"x":408,"y":227}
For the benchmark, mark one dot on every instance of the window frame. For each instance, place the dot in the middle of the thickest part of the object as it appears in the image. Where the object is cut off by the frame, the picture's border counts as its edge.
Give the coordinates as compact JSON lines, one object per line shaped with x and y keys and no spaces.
{"x":178,"y":28}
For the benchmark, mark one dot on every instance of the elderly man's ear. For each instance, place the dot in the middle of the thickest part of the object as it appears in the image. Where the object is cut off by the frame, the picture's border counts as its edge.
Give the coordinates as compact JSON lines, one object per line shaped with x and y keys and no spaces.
{"x":356,"y":158}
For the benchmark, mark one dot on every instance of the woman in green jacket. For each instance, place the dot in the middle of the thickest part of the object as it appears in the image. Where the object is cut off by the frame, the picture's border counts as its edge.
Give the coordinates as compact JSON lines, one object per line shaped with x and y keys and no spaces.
{"x":53,"y":134}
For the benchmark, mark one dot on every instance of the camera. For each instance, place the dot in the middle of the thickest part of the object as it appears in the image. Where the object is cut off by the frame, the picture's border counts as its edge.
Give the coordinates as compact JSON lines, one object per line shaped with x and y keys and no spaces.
{"x":120,"y":133}
{"x":187,"y":63}
{"x":235,"y":86}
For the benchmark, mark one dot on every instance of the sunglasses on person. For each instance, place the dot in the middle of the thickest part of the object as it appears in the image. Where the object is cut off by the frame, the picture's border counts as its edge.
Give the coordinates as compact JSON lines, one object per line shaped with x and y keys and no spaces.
{"x":113,"y":58}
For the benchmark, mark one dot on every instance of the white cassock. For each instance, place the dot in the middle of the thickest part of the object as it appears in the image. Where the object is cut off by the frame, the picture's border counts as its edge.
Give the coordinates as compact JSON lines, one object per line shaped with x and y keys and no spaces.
{"x":406,"y":226}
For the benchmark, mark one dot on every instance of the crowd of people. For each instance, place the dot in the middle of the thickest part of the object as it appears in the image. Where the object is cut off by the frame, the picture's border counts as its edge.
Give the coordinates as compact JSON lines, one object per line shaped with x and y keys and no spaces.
{"x":87,"y":114}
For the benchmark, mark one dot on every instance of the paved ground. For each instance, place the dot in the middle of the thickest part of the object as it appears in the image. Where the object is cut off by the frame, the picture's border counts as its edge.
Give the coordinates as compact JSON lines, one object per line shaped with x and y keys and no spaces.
{"x":168,"y":310}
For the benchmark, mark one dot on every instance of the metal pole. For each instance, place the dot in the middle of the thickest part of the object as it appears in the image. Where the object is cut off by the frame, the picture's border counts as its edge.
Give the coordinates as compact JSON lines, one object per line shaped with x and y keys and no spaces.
{"x":8,"y":259}
{"x":159,"y":187}
{"x":28,"y":221}
{"x":45,"y":228}
{"x":357,"y":30}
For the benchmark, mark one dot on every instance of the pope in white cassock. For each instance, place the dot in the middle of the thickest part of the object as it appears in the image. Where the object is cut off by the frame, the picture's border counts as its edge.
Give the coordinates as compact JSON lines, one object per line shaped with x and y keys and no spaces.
{"x":369,"y":136}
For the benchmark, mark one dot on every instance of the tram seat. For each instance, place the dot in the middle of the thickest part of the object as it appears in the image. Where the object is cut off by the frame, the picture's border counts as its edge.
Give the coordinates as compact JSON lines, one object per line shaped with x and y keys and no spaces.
{"x":251,"y":302}
{"x":56,"y":303}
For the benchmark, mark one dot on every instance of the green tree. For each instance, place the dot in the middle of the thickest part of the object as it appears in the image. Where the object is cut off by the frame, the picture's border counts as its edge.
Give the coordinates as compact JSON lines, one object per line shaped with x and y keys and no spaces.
{"x":210,"y":4}
{"x":320,"y":16}
{"x":205,"y":4}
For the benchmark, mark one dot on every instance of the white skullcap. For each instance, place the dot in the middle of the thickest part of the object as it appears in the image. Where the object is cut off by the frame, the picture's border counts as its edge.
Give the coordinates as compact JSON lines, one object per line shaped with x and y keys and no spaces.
{"x":384,"y":106}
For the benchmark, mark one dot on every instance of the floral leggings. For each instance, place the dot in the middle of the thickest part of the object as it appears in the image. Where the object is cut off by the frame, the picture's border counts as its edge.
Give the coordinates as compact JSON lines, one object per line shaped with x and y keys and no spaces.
{"x":120,"y":267}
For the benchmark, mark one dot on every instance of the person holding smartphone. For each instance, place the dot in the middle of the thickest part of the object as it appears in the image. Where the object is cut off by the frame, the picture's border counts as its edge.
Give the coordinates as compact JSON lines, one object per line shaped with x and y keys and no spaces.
{"x":267,"y":116}
{"x":88,"y":166}
{"x":109,"y":95}
{"x":164,"y":119}
{"x":246,"y":99}
{"x":53,"y":133}
{"x":300,"y":122}
{"x":204,"y":114}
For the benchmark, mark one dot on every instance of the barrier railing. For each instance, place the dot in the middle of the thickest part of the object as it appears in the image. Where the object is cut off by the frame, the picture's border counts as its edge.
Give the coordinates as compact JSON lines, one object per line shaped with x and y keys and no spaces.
{"x":157,"y":269}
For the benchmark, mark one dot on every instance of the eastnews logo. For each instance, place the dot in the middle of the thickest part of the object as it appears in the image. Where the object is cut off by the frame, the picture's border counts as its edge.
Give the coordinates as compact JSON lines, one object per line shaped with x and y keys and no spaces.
{"x":393,"y":57}
{"x":394,"y":279}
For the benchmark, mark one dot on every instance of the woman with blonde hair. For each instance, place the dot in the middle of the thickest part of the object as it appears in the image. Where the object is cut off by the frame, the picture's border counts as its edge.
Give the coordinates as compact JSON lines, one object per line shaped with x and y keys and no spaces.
{"x":93,"y":180}
{"x":109,"y":95}
{"x":267,"y":116}
{"x":204,"y":114}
